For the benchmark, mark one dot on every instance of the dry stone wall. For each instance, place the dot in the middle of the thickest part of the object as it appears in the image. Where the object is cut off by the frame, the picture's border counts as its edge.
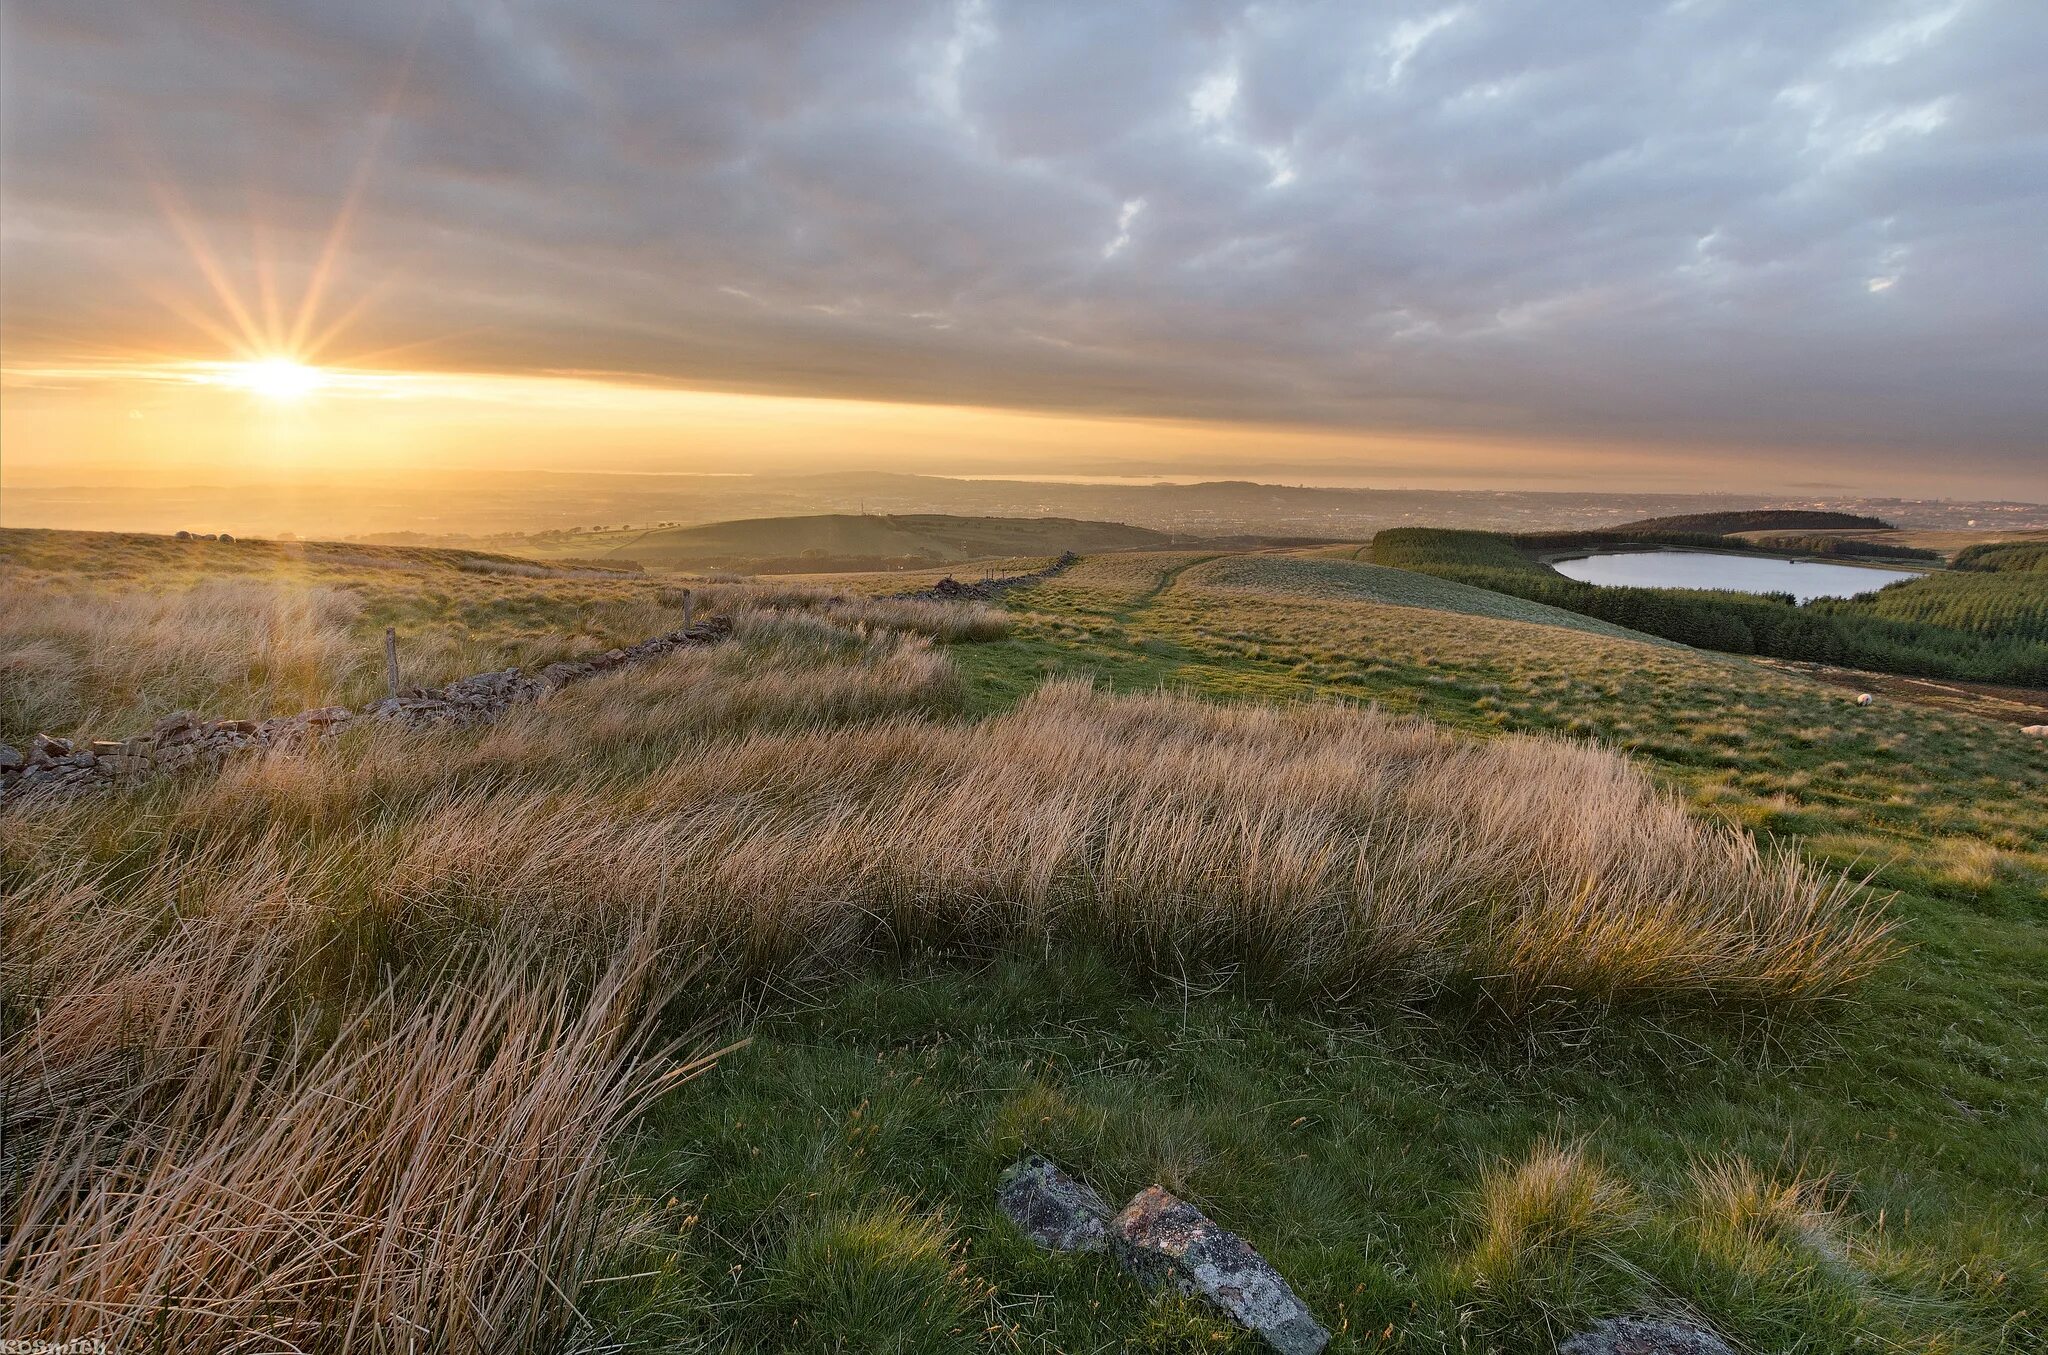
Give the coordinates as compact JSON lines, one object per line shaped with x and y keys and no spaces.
{"x":55,"y":768}
{"x":950,"y":589}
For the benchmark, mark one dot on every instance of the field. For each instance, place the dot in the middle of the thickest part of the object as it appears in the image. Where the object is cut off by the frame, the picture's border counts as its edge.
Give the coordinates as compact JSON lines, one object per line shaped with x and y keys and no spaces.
{"x":1344,"y":577}
{"x":1491,"y":970}
{"x":1949,"y":542}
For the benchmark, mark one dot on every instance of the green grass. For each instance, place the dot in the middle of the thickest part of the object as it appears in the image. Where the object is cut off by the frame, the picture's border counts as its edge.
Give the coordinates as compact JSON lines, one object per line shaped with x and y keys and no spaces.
{"x":1353,"y":1148}
{"x":1354,"y":580}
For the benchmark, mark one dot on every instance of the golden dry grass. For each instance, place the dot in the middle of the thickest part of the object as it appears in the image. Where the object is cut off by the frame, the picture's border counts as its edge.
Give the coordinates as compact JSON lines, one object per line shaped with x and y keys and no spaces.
{"x":1556,"y":1200}
{"x":98,"y":637}
{"x":1753,"y":1216}
{"x":205,"y":1155}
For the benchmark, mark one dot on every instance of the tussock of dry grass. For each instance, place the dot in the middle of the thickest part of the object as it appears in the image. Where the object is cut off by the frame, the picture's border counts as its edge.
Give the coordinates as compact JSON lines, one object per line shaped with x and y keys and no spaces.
{"x":1324,"y":849}
{"x":1321,"y":849}
{"x":1555,"y":1201}
{"x":952,"y":622}
{"x":204,"y":1160}
{"x":1752,"y":1216}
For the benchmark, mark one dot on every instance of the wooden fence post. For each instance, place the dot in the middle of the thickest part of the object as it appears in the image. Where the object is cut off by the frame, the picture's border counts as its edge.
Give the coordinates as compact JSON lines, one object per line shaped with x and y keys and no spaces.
{"x":391,"y":657}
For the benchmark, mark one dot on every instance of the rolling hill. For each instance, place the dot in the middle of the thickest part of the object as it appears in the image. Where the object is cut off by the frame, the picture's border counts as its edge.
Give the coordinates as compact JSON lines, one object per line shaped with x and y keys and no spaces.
{"x":1756,"y":520}
{"x":851,"y":540}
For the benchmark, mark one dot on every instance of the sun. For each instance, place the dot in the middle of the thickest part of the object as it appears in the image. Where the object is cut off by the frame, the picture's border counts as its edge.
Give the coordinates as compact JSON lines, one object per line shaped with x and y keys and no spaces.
{"x":281,"y":379}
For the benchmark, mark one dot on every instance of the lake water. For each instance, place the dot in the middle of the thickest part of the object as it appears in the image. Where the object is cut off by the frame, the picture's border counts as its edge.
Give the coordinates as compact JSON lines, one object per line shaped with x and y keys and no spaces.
{"x":1803,"y":579}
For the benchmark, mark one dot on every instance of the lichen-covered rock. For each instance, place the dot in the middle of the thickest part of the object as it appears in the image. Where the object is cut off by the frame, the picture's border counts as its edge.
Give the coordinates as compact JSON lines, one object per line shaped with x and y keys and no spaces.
{"x":1052,"y":1208}
{"x":1645,"y":1336}
{"x":1162,"y":1238}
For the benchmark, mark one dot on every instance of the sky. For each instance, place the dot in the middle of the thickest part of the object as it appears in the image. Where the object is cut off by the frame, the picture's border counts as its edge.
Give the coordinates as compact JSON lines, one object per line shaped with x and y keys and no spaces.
{"x":1697,"y":245}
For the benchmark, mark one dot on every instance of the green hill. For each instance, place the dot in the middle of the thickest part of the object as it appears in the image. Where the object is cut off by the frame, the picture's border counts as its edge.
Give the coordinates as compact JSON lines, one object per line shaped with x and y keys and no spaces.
{"x":2005,"y":557}
{"x":1755,"y":520}
{"x":844,"y":540}
{"x":1354,"y":580}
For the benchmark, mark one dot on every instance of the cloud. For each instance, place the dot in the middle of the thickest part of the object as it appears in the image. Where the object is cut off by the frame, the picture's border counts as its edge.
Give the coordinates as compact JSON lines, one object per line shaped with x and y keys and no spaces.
{"x":1688,"y":224}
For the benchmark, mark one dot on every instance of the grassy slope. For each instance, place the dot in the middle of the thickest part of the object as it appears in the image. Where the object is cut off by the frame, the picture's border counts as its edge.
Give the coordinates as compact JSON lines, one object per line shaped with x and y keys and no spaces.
{"x":934,"y":535}
{"x":1348,"y":1145}
{"x":1355,"y":580}
{"x":830,"y":1187}
{"x":102,"y":632}
{"x":1944,"y":543}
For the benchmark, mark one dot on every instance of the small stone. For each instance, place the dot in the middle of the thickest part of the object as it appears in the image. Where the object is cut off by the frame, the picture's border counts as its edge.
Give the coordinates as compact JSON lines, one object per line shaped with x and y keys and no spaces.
{"x":50,"y":746}
{"x":1645,"y":1336}
{"x":176,"y":727}
{"x":1053,"y":1209}
{"x":1161,"y":1237}
{"x":11,"y":759}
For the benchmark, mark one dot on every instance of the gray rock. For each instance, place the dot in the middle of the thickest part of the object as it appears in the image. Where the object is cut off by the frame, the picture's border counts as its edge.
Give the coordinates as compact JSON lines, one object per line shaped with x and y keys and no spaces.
{"x":1645,"y":1336}
{"x":1159,"y":1237}
{"x":11,"y":759}
{"x":1052,"y":1208}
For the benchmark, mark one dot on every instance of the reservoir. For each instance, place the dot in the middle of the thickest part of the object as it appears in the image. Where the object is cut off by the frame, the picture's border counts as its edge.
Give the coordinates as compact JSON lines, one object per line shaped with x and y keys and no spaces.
{"x":1803,"y":579}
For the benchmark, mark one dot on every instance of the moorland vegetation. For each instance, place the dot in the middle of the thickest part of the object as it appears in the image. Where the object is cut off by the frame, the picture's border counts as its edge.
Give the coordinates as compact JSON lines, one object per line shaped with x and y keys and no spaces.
{"x":1224,"y":872}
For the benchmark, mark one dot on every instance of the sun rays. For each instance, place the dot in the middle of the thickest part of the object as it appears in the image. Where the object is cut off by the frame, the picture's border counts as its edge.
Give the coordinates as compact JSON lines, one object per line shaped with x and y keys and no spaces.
{"x":266,"y":344}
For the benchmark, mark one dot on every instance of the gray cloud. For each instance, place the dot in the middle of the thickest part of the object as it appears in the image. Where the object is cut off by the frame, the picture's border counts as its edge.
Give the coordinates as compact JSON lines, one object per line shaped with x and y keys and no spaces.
{"x":1699,"y":223}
